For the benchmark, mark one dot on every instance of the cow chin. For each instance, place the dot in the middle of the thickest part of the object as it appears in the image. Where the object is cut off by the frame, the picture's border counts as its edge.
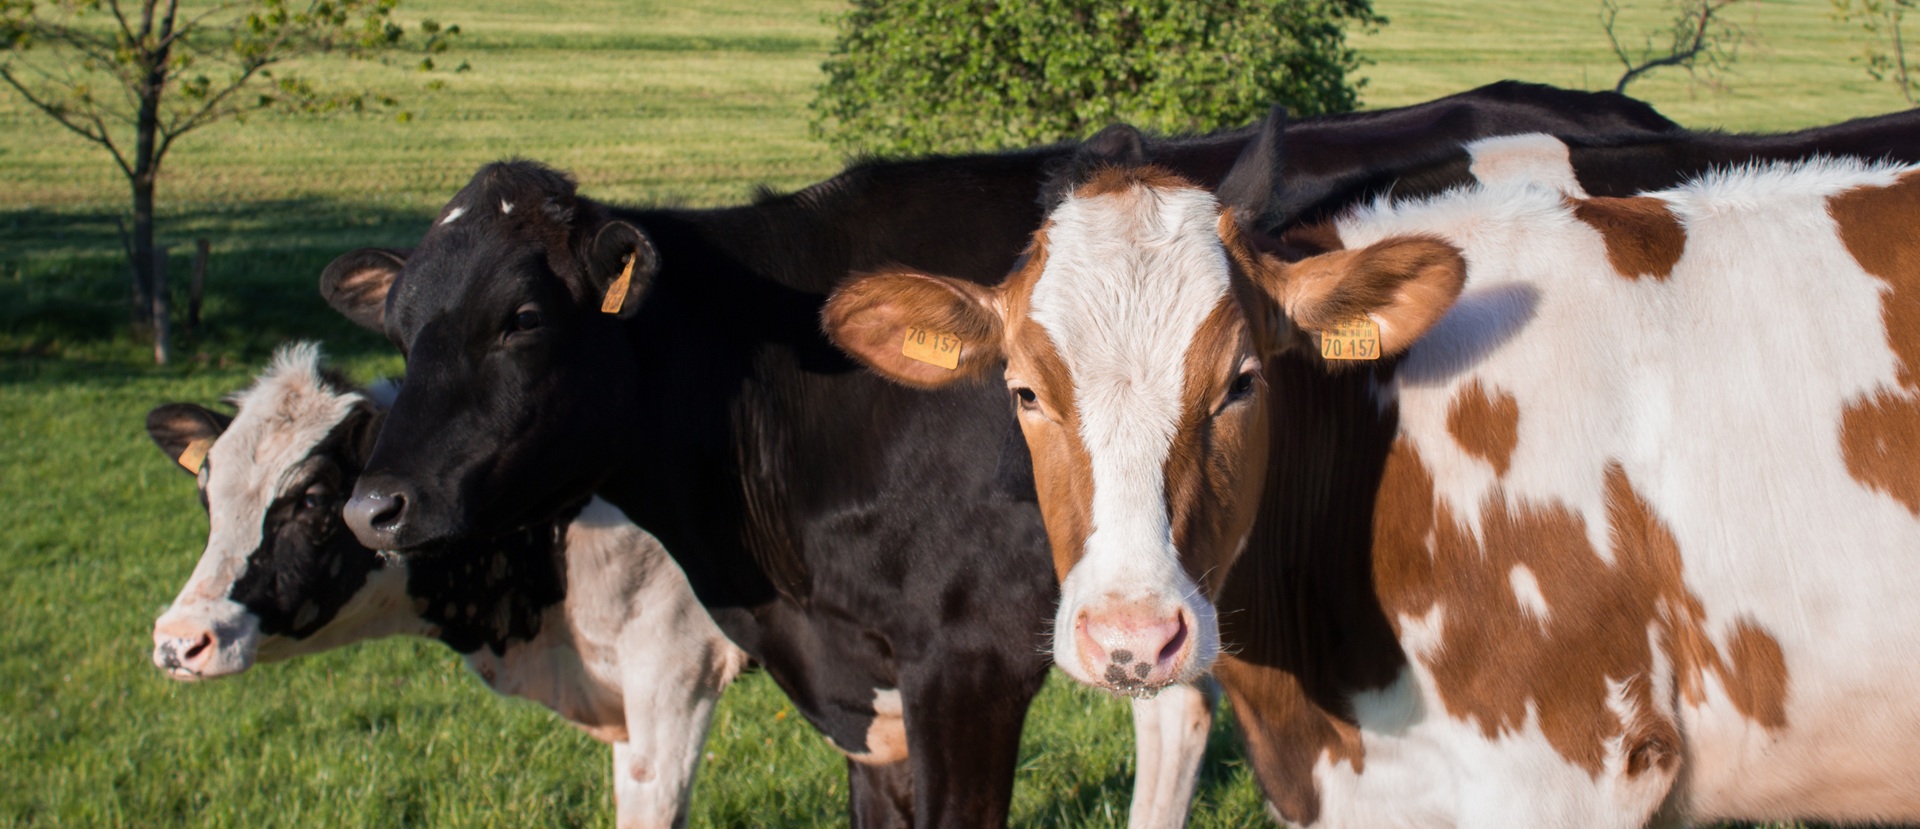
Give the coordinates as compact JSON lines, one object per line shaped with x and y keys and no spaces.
{"x":196,"y":642}
{"x":1133,"y":642}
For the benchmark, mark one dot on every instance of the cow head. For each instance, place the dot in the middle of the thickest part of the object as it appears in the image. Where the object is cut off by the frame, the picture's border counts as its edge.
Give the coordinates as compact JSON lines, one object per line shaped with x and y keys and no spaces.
{"x":508,"y":312}
{"x":1134,"y":336}
{"x":280,"y":576}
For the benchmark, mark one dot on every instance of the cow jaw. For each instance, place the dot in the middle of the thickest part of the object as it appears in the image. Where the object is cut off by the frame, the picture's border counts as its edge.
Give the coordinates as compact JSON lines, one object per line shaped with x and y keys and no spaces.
{"x":1132,"y":275}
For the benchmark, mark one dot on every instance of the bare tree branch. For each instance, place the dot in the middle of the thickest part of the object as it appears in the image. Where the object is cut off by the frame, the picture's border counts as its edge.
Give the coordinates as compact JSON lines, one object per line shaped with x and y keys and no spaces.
{"x":1698,"y":35}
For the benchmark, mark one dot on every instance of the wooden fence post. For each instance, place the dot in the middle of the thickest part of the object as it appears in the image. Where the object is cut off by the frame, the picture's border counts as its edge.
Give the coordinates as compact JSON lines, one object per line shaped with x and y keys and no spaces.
{"x":162,"y":347}
{"x":197,"y":289}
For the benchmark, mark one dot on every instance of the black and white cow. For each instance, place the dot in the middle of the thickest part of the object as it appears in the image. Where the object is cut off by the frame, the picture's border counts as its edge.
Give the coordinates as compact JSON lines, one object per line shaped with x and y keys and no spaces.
{"x":585,"y":614}
{"x":878,"y":550}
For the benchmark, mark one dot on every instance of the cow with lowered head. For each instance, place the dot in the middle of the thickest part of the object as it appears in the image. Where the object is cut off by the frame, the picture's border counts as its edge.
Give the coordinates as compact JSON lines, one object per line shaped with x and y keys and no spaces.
{"x":584,"y":613}
{"x":879,"y":550}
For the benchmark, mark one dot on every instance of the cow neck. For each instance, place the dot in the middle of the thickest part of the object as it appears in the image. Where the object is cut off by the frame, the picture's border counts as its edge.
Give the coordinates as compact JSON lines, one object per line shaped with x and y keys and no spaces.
{"x":1300,"y":622}
{"x":492,"y":592}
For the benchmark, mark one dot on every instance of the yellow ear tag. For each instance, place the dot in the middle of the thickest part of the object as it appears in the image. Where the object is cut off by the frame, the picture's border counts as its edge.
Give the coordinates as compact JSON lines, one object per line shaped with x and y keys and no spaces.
{"x":195,"y":454}
{"x":1351,"y":340}
{"x":937,"y":348}
{"x":616,"y":297}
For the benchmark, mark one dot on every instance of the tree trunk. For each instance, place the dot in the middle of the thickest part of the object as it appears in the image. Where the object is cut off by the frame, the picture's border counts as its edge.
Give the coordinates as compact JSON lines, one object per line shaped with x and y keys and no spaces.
{"x":146,"y":168}
{"x":143,"y":288}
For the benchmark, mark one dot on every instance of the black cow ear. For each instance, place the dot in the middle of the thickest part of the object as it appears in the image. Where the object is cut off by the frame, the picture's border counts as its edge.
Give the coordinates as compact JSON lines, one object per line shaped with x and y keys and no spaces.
{"x":620,"y":266}
{"x":1120,"y":145}
{"x":356,"y":284}
{"x":185,"y":432}
{"x":1253,"y":187}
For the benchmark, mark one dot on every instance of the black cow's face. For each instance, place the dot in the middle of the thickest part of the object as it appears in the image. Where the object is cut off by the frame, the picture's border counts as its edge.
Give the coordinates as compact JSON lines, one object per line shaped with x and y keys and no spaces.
{"x":516,"y":377}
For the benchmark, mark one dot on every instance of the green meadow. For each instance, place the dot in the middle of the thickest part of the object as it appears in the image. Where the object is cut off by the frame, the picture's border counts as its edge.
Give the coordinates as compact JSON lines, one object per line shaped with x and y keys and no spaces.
{"x":691,"y":103}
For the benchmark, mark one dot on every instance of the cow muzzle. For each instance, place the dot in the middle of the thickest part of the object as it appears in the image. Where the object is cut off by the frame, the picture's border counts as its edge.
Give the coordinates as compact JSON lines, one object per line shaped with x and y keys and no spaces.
{"x":188,"y":649}
{"x":381,"y":511}
{"x":1134,"y":648}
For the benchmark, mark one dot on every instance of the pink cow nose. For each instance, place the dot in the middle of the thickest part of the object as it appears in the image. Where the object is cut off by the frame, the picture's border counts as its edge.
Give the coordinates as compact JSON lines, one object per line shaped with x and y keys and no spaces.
{"x":182,"y":649}
{"x":1134,"y":648}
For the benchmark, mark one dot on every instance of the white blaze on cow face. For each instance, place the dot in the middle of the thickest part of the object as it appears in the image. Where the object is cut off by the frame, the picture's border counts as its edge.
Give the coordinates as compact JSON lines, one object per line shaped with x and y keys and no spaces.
{"x":1130,"y":277}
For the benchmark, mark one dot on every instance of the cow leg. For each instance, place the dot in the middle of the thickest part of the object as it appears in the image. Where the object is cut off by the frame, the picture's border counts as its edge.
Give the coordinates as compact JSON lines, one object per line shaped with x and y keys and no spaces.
{"x":880,"y":797}
{"x":672,"y":671}
{"x":1170,"y":741}
{"x":963,"y":721}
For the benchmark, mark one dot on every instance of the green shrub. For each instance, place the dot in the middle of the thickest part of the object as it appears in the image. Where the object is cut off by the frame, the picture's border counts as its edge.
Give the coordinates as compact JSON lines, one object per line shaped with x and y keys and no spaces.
{"x":914,"y":76}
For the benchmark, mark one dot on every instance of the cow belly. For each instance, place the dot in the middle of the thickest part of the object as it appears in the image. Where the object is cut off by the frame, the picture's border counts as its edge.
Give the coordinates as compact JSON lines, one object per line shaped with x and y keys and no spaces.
{"x":1848,"y":749}
{"x":1425,"y":769}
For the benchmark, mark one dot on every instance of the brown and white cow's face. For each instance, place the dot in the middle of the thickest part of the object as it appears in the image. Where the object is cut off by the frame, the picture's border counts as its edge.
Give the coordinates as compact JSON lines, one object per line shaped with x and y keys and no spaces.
{"x":1134,"y":337}
{"x":281,"y":575}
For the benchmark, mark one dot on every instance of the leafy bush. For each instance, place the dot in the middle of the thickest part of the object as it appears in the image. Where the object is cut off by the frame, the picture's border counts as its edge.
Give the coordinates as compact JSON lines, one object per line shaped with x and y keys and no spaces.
{"x":913,"y":76}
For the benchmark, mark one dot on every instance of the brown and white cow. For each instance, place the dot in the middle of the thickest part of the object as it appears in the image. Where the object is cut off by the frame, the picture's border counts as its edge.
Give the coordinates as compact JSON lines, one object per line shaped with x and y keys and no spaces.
{"x":588,"y":615}
{"x":1615,"y":523}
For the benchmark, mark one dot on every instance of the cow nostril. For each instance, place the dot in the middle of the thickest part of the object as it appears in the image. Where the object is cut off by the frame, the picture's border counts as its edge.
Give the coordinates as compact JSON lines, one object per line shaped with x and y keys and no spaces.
{"x":199,"y":647}
{"x":1178,"y":641}
{"x":387,"y":516}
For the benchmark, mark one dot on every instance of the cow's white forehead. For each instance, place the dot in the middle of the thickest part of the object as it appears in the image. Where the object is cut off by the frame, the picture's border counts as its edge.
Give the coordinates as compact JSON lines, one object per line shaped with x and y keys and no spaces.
{"x":1130,"y":277}
{"x":283,"y":416}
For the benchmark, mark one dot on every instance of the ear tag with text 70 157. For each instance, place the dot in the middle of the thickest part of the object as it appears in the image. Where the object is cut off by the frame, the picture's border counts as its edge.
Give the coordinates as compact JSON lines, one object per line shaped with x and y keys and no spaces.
{"x":616,"y":297}
{"x":1351,"y":340}
{"x":195,"y":454}
{"x":932,"y":347}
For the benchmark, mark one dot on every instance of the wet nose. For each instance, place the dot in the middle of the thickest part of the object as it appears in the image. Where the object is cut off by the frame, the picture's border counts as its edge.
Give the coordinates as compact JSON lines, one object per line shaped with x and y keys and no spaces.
{"x":183,"y":648}
{"x":378,"y":511}
{"x":1135,"y":648}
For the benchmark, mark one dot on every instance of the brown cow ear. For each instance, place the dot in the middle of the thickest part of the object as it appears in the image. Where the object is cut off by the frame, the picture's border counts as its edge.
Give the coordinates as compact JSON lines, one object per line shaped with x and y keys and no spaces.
{"x":185,"y":432}
{"x":356,"y":284}
{"x":915,"y":329}
{"x":1402,"y":286}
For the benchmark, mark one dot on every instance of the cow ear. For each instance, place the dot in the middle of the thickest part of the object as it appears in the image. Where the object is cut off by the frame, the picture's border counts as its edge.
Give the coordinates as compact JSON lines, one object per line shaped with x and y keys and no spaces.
{"x":1402,"y":285}
{"x":356,"y":284}
{"x":185,"y":432}
{"x":620,"y":264}
{"x":1253,"y":187}
{"x":915,"y":329}
{"x":1119,"y":144}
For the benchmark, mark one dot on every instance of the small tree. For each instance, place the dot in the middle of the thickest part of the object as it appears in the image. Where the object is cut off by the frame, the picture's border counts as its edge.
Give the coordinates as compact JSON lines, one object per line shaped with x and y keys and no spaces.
{"x":1699,"y":39}
{"x":912,"y":76}
{"x":1886,"y":52}
{"x":134,"y":77}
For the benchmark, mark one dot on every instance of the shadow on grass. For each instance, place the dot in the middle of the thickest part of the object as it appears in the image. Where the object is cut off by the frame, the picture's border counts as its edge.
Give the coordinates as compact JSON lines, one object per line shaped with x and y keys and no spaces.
{"x":65,"y":284}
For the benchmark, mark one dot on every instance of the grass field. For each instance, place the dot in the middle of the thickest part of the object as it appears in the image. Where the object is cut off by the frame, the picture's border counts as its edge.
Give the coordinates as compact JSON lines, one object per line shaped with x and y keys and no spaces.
{"x":668,"y":103}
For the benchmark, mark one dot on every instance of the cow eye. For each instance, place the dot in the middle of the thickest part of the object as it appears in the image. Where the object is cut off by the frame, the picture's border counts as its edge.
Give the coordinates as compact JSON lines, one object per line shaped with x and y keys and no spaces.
{"x":1027,"y":399}
{"x":1242,"y":386}
{"x":526,"y":320}
{"x":317,"y":497}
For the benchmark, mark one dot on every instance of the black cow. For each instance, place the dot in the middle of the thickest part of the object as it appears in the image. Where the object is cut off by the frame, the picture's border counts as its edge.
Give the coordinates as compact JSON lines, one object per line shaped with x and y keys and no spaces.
{"x":877,"y":549}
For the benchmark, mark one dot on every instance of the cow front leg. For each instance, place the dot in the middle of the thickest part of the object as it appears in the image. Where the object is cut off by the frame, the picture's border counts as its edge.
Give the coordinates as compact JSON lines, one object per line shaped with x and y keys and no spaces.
{"x":880,"y":796}
{"x":1170,"y":741}
{"x":963,"y":723}
{"x":673,"y":670}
